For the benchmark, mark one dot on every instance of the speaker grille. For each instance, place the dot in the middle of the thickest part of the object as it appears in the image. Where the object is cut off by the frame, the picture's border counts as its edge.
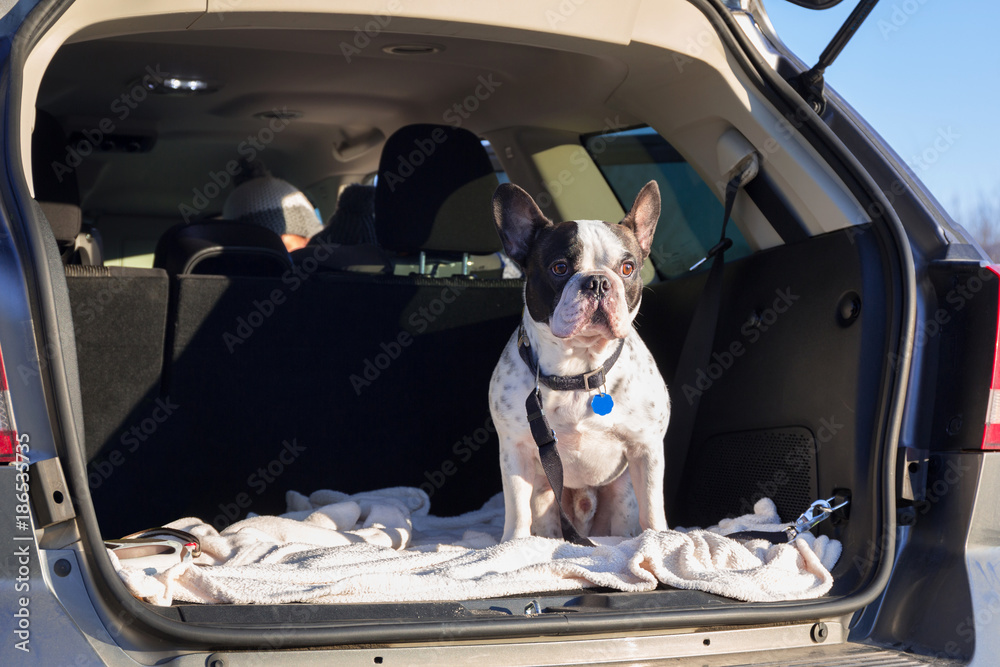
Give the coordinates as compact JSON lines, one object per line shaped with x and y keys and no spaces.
{"x":731,"y":472}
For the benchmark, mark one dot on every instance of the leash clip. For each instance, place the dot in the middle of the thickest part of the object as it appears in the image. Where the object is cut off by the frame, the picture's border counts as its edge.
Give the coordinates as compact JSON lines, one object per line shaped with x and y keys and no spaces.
{"x":817,"y":512}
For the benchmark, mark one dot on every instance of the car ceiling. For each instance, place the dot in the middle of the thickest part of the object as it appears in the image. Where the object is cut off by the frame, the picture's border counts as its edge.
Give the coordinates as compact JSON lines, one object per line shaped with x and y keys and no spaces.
{"x":306,"y":71}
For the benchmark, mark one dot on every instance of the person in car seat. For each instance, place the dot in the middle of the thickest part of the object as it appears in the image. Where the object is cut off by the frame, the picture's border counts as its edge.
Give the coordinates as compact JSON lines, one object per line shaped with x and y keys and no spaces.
{"x":353,"y":223}
{"x":270,"y":202}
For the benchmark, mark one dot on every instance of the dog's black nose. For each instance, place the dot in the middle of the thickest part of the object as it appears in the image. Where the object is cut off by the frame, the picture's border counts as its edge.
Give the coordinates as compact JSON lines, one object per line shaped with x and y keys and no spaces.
{"x":597,"y":285}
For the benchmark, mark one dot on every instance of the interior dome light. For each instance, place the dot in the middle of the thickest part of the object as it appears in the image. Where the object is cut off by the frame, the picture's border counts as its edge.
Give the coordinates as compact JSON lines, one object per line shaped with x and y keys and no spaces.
{"x":178,"y":85}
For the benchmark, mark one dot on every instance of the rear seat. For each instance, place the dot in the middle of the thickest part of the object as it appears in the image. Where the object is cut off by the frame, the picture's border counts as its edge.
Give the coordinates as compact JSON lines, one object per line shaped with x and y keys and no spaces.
{"x":76,"y":245}
{"x":221,"y":247}
{"x":340,"y":380}
{"x":57,"y":192}
{"x":120,"y":318}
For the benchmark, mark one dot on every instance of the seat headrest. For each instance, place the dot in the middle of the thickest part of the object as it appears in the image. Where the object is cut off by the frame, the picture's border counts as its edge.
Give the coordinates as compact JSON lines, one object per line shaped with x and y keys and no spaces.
{"x":54,"y":179}
{"x":66,"y":220}
{"x":221,"y":247}
{"x":434,"y":192}
{"x":274,"y":204}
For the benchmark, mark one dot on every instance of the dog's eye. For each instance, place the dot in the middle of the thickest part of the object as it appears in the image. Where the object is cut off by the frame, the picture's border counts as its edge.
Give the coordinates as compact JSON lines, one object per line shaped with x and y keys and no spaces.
{"x":560,"y":268}
{"x":628,"y":268}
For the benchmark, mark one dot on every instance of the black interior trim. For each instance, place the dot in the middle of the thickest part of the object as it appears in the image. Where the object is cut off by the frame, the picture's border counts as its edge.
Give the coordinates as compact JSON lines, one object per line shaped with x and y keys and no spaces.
{"x":774,"y":206}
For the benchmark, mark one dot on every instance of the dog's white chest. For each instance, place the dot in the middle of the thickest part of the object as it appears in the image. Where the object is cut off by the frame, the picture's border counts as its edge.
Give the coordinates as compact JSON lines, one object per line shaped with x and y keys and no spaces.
{"x":593,"y":447}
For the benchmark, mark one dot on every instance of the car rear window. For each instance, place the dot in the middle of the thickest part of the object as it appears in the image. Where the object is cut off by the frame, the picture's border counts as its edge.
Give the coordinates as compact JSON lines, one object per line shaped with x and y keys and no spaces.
{"x":691,"y":214}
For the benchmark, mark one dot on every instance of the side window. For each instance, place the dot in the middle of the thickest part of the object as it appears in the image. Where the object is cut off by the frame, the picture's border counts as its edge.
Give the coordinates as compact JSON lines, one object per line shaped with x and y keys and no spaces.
{"x":497,"y":167}
{"x":691,"y":214}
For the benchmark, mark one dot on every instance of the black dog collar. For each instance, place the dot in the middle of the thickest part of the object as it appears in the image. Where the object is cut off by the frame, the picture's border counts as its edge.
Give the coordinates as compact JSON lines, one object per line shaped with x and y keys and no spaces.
{"x":588,"y":381}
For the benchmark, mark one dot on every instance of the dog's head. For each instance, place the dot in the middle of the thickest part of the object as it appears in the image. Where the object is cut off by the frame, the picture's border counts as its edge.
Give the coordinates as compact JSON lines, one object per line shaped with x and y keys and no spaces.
{"x":582,"y":276}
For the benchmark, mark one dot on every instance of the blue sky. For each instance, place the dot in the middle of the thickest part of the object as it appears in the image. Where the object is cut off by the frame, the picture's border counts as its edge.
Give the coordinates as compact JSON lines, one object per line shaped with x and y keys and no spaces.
{"x":918,"y":70}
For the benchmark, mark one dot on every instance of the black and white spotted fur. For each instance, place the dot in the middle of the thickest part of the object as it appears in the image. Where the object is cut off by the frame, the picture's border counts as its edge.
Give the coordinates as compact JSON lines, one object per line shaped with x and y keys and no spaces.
{"x":582,"y":292}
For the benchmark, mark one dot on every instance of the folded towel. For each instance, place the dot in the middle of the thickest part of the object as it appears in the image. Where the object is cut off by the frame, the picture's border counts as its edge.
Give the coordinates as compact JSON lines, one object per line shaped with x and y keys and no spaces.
{"x":384,"y":546}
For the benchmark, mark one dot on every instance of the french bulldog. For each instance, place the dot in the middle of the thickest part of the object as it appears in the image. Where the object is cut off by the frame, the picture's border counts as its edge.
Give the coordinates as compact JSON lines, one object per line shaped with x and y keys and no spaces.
{"x":581,"y":294}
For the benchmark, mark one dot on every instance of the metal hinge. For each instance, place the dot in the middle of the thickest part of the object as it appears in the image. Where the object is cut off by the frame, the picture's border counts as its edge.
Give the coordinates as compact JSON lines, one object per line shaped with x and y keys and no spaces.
{"x":49,"y":493}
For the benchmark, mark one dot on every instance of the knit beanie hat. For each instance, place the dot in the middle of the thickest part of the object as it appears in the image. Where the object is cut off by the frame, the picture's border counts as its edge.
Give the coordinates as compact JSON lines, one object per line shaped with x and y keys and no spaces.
{"x":274,"y":204}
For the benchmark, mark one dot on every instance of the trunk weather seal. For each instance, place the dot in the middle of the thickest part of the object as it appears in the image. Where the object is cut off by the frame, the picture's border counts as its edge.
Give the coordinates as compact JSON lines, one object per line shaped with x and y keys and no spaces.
{"x":114,"y":593}
{"x":780,"y":93}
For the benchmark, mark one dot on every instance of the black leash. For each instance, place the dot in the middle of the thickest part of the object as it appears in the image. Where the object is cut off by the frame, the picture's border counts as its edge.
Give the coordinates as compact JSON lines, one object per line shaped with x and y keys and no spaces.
{"x":541,"y":430}
{"x":818,"y":511}
{"x":545,"y":438}
{"x":778,"y":537}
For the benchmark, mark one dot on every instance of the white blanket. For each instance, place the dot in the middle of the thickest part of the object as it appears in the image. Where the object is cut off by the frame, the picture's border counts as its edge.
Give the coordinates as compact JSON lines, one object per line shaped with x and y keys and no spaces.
{"x":384,"y":546}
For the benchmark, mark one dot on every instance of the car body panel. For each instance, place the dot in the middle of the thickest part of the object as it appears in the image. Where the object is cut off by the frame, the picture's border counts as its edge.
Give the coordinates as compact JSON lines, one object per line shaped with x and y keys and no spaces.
{"x":88,"y":612}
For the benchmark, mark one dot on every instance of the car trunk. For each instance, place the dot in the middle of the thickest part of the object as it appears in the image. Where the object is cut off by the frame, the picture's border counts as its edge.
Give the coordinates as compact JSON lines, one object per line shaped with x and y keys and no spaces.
{"x":213,"y":396}
{"x":243,"y":388}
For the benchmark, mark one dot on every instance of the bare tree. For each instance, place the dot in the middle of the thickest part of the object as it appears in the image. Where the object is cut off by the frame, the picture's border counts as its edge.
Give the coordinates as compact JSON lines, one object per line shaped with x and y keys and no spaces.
{"x":982,"y":219}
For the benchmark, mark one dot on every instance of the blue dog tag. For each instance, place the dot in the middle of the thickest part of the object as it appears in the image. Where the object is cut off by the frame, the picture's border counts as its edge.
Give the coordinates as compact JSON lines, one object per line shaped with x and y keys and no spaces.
{"x":601,"y":404}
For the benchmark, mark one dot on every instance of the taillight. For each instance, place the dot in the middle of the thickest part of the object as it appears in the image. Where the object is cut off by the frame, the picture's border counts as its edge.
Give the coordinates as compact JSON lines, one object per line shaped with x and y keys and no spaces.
{"x":991,"y":434}
{"x":8,"y":432}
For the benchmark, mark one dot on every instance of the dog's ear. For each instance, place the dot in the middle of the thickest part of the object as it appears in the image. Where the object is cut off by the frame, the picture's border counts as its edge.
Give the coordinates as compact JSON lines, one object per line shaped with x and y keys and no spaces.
{"x":641,"y":220}
{"x":518,"y":220}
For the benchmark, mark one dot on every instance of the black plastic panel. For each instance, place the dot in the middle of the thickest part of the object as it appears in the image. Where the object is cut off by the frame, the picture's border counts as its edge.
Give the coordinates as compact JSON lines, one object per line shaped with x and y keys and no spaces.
{"x":735,"y":470}
{"x":785,"y":356}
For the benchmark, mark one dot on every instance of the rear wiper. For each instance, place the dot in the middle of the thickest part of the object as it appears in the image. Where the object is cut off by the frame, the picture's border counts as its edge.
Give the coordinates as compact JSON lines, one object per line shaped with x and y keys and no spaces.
{"x":810,"y":84}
